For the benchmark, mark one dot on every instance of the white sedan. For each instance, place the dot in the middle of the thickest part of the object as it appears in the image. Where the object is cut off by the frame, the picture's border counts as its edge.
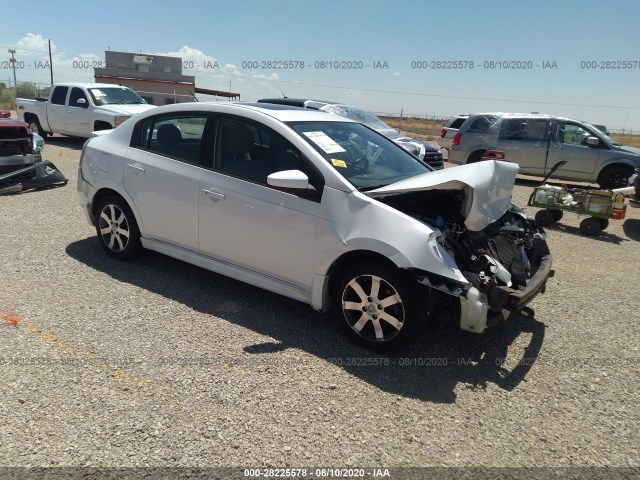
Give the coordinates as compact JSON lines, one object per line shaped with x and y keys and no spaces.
{"x":318,"y":208}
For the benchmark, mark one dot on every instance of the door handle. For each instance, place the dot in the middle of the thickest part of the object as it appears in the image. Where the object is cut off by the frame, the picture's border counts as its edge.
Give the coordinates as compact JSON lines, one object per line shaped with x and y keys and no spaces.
{"x":135,"y":167}
{"x":213,"y":195}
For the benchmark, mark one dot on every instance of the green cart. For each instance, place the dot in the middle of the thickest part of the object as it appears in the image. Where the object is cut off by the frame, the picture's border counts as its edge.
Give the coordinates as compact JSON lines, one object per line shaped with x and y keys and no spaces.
{"x":597,"y":205}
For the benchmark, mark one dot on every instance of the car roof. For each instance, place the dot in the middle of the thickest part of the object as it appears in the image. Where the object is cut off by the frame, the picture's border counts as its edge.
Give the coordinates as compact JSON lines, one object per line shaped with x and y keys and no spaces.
{"x":89,"y":85}
{"x":298,"y":102}
{"x":283,"y":113}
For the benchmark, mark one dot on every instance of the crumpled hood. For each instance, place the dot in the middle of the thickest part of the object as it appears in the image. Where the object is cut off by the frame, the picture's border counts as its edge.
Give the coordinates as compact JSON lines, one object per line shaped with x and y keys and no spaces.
{"x":125,"y":109}
{"x":488,"y":184}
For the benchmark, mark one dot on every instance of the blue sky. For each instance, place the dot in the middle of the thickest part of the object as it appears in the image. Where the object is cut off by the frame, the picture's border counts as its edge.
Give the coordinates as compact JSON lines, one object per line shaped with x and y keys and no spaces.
{"x":386,"y":33}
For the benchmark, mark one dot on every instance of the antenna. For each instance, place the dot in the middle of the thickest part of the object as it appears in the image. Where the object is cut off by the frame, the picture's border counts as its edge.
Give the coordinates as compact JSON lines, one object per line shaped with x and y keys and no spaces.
{"x":283,"y":95}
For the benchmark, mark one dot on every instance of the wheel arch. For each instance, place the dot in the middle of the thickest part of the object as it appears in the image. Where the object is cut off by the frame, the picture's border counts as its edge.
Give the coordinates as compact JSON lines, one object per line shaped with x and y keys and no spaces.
{"x":101,"y":125}
{"x":341,"y":263}
{"x":620,"y":164}
{"x":108,"y":192}
{"x":476,"y":155}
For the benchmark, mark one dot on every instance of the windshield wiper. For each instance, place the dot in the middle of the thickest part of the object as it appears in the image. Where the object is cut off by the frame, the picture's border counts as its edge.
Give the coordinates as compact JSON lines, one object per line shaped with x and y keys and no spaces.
{"x":371,"y":187}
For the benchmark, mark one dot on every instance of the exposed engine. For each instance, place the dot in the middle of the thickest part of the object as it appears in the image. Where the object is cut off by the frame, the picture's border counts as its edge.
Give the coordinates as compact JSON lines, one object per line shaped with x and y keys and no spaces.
{"x":15,"y":140}
{"x":505,"y":254}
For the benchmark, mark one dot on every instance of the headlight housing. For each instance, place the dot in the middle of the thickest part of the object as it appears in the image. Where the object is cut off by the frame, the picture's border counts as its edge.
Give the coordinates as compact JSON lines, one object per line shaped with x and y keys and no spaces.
{"x":37,"y":142}
{"x":118,"y":119}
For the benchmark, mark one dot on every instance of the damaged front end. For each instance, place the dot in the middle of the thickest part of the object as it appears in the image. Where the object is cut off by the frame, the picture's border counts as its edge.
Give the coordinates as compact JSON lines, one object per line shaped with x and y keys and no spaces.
{"x":500,"y":251}
{"x":21,"y":165}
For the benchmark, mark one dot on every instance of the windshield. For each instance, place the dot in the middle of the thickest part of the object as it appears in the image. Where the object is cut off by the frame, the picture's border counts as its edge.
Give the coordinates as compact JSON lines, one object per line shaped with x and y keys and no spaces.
{"x":362,"y":116}
{"x":362,"y":156}
{"x":606,"y":137}
{"x":115,"y":96}
{"x":352,"y":113}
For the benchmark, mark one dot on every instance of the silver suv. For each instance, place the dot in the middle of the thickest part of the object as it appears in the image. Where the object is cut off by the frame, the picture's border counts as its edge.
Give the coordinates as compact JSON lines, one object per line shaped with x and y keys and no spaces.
{"x":537,"y":142}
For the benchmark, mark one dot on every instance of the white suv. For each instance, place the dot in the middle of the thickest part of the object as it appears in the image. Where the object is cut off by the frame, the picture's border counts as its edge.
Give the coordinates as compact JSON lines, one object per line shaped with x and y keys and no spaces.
{"x":317,"y":208}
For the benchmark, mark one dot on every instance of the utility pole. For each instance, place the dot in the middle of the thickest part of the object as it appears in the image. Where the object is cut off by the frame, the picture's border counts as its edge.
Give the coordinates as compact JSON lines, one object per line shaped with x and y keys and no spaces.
{"x":13,"y":64}
{"x":50,"y":63}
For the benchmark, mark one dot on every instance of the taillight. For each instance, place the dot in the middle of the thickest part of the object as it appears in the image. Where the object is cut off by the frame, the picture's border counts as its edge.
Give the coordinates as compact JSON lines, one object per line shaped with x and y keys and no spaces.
{"x":443,"y":133}
{"x":456,"y":139}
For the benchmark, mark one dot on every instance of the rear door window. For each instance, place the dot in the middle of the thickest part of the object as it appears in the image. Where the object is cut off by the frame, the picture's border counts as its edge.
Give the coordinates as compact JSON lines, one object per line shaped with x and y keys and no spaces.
{"x":59,"y":95}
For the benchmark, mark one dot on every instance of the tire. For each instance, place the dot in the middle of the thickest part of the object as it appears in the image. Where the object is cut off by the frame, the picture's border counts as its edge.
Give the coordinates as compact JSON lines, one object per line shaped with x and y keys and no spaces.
{"x":545,"y":217}
{"x":476,"y":156}
{"x":590,"y":226}
{"x":557,"y":215}
{"x":117,"y":229}
{"x":377,"y":305}
{"x":615,"y":177}
{"x":604,"y":223}
{"x":34,"y":125}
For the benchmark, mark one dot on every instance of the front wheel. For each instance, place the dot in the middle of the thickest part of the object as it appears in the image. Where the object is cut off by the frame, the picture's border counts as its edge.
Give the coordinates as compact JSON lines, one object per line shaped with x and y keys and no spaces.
{"x":615,"y":177}
{"x":117,"y":229}
{"x":546,"y":217}
{"x":34,"y":125}
{"x":377,"y":306}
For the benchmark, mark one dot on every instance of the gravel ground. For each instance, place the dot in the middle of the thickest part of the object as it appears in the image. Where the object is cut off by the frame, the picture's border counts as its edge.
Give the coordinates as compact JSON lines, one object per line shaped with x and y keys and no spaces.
{"x":159,"y":363}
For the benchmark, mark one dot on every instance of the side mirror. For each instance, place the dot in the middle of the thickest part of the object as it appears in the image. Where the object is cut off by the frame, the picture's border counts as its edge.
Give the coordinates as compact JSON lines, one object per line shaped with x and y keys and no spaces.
{"x":81,"y":102}
{"x":593,"y":141}
{"x":290,"y":180}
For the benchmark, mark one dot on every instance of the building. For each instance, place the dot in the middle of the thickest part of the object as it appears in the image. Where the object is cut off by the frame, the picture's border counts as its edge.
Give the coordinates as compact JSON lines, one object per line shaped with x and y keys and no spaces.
{"x":156,"y":78}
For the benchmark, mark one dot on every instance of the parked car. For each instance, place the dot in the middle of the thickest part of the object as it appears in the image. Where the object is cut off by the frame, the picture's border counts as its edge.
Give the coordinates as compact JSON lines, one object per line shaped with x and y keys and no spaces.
{"x":21,"y":163}
{"x":423,"y":150}
{"x":449,"y":131}
{"x":318,"y":208}
{"x":537,"y":142}
{"x":78,"y":109}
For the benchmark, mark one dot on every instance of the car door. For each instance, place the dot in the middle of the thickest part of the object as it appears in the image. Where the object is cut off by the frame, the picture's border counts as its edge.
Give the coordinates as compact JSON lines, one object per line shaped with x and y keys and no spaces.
{"x":79,"y":116}
{"x":244,"y":221}
{"x":569,"y":143}
{"x":57,"y":110}
{"x":162,"y":175}
{"x":525,"y":141}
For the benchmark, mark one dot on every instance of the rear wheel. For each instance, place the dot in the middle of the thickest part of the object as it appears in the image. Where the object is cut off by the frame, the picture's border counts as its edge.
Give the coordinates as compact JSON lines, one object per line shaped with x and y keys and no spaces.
{"x":377,"y":305}
{"x":117,"y":229}
{"x":557,"y":215}
{"x":476,"y":156}
{"x":590,"y":226}
{"x":604,"y":223}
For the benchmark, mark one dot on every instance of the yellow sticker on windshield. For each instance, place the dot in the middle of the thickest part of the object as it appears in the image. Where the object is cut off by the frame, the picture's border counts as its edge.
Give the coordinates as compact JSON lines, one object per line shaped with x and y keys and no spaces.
{"x":338,"y":163}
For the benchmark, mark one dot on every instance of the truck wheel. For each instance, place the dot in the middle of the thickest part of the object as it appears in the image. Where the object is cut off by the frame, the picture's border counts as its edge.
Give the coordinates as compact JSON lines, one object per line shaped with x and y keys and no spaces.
{"x":545,"y":217}
{"x":377,"y":305}
{"x":34,"y":125}
{"x":615,"y":177}
{"x":590,"y":226}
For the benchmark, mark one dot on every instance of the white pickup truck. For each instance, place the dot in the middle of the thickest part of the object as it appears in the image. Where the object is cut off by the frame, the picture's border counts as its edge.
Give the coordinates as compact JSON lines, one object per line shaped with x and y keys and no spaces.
{"x":77,"y":109}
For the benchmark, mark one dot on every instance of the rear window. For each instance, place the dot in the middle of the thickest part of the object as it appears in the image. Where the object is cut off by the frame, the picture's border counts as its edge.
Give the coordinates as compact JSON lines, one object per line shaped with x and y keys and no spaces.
{"x":482,"y":123}
{"x":457,"y":122}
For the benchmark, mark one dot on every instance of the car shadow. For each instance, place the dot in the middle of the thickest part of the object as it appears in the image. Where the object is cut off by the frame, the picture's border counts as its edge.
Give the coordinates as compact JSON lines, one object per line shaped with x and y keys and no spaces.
{"x":631,"y":228}
{"x":603,"y":236}
{"x":430,"y":370}
{"x":73,"y":143}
